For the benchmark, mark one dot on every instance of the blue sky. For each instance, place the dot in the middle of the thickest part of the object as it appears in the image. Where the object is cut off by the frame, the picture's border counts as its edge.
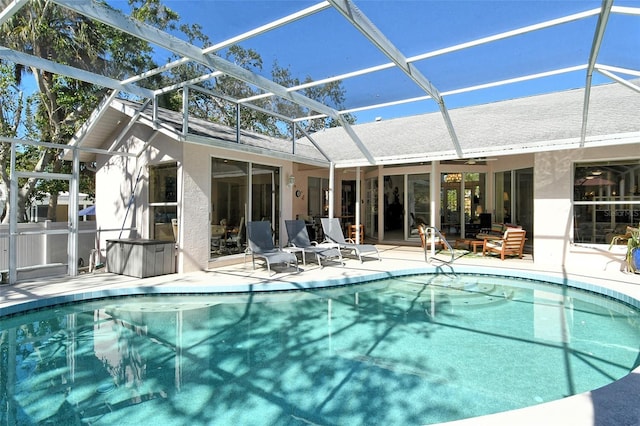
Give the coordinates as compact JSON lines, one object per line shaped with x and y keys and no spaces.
{"x":324,"y":45}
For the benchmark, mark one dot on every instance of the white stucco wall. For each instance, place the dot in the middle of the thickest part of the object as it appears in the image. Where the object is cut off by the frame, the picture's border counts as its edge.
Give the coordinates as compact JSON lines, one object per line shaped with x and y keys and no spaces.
{"x":194,"y":210}
{"x":553,"y":220}
{"x":116,"y":182}
{"x":115,"y":186}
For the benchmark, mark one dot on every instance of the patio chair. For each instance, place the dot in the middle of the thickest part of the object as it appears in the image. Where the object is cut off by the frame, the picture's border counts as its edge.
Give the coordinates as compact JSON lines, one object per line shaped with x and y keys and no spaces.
{"x":333,"y":233}
{"x":261,"y":246}
{"x":426,"y":237}
{"x":299,"y":237}
{"x":512,"y":243}
{"x":236,"y":240}
{"x":217,"y":235}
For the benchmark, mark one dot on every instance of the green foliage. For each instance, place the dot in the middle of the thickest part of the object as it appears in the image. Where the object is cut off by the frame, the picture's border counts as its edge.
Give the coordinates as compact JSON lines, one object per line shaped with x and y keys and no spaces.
{"x":61,"y":105}
{"x":11,"y":101}
{"x":633,"y":243}
{"x":632,"y":238}
{"x":331,"y":93}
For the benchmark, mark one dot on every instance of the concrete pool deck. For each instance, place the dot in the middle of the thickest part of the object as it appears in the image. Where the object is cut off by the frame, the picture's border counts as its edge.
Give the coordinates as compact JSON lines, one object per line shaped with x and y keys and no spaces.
{"x":612,"y":405}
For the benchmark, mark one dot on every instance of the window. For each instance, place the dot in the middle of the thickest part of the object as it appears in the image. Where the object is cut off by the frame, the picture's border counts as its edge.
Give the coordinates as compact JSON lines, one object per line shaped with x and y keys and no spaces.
{"x":606,"y":199}
{"x":163,"y":201}
{"x":318,"y":197}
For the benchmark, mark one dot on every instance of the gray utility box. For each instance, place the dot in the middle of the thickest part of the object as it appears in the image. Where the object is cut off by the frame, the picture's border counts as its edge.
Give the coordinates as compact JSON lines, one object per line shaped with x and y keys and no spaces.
{"x":141,"y":258}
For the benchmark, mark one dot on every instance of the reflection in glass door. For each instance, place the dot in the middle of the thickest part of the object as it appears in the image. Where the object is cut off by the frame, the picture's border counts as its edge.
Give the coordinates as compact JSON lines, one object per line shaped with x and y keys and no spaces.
{"x":264,"y":194}
{"x":371,"y":207}
{"x":418,"y":203}
{"x":229,"y":192}
{"x":462,"y":203}
{"x":236,"y":199}
{"x":450,"y":204}
{"x":394,"y":207}
{"x":474,"y":203}
{"x":514,"y":198}
{"x":523,"y":206}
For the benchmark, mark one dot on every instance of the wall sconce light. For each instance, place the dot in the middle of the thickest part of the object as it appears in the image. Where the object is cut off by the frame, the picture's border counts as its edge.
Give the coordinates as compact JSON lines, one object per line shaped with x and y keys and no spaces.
{"x":292,"y":181}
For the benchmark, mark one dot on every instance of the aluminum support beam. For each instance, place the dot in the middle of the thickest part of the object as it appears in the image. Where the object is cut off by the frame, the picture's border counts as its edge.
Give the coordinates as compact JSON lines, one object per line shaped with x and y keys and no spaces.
{"x":11,"y":10}
{"x":435,"y":53}
{"x":153,"y":35}
{"x":622,"y":81}
{"x":605,"y":12}
{"x":13,"y":217}
{"x":238,"y":133}
{"x":234,"y":40}
{"x":59,"y":146}
{"x":75,"y":73}
{"x":313,"y":142}
{"x":43,"y":175}
{"x":361,"y":146}
{"x":332,"y":184}
{"x":74,"y":200}
{"x":185,"y":111}
{"x":369,"y":30}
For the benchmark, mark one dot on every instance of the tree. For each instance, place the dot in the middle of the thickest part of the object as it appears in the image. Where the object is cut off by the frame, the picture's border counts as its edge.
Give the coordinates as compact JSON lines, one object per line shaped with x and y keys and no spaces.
{"x":11,"y":108}
{"x":61,"y":104}
{"x":332,"y":93}
{"x":219,"y":110}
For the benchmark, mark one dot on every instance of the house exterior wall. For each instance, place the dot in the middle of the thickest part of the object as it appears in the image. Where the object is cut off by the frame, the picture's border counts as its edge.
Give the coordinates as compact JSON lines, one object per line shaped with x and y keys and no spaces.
{"x":115,"y":184}
{"x":117,"y":176}
{"x":122,"y":185}
{"x":553,"y":220}
{"x":193,"y":208}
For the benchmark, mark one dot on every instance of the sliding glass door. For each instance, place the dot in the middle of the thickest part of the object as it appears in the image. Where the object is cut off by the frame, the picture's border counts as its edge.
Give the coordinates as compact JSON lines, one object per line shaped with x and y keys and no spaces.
{"x":461,"y":204}
{"x":418,"y":200}
{"x":240,"y":192}
{"x":394,"y":228}
{"x":265,"y":196}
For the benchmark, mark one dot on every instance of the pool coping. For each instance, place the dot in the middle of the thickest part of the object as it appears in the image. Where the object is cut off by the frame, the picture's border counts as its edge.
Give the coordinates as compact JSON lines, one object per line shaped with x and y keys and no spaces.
{"x":279,"y":285}
{"x":617,"y":403}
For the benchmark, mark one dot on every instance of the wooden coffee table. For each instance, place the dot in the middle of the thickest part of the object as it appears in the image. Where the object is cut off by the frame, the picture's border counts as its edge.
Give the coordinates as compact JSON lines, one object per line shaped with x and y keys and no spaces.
{"x":475,"y":244}
{"x":464,"y":242}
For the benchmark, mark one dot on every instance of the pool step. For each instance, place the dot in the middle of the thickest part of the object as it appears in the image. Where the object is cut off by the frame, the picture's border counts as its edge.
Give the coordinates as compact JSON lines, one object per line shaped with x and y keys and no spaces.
{"x":458,"y":292}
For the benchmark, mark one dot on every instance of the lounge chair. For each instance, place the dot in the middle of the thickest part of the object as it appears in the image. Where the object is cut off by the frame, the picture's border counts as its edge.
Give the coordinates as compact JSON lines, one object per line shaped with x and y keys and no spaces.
{"x":299,"y":237}
{"x":261,"y":246}
{"x":511,"y":243}
{"x":333,"y":233}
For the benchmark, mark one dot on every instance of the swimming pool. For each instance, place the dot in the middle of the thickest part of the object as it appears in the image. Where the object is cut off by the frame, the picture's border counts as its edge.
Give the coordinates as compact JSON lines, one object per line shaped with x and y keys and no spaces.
{"x":418,"y":349}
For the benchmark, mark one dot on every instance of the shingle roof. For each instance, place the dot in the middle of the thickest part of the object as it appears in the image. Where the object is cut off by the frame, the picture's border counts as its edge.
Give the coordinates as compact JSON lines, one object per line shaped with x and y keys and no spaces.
{"x":527,"y":124}
{"x":530,"y":124}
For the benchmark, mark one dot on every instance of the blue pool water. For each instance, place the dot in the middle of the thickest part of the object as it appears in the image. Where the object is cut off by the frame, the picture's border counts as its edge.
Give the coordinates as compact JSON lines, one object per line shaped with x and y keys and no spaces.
{"x":420,"y":349}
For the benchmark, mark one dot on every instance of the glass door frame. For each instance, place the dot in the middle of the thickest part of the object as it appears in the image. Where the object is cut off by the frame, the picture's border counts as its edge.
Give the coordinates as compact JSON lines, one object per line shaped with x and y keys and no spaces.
{"x":469,"y":203}
{"x":221,"y":208}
